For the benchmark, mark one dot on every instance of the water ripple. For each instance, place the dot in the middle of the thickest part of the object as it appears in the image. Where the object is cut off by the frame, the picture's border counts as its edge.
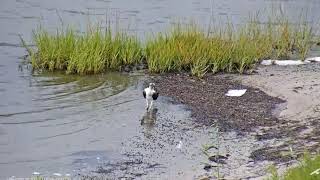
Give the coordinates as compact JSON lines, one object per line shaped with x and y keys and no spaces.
{"x":28,"y":122}
{"x":9,"y":44}
{"x":63,"y":134}
{"x":34,"y":111}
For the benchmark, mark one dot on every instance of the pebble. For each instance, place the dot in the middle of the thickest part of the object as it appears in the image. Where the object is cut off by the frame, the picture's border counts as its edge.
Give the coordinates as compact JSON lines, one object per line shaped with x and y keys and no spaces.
{"x":179,"y":145}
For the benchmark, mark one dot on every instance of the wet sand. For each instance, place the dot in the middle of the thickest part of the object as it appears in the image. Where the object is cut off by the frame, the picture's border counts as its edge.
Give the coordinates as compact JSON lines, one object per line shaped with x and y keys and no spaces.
{"x":300,"y":87}
{"x":153,"y":151}
{"x":276,"y":119}
{"x":170,"y":142}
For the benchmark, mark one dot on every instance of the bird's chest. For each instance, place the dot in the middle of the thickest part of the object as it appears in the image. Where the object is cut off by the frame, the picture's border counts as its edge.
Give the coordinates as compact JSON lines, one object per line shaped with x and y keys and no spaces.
{"x":149,"y":94}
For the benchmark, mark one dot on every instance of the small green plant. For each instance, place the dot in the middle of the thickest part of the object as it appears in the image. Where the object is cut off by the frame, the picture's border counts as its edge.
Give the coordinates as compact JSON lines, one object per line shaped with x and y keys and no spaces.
{"x":216,"y":157}
{"x":273,"y":171}
{"x":306,"y":170}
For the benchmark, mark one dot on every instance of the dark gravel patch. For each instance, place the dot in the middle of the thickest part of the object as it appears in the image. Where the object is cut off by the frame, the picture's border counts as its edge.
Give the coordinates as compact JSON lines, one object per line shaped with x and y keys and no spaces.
{"x":276,"y":154}
{"x":209,"y":105}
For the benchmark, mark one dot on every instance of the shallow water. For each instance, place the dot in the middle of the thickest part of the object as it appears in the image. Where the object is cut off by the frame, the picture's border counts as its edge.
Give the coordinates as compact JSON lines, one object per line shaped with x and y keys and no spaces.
{"x":72,"y":124}
{"x":48,"y":121}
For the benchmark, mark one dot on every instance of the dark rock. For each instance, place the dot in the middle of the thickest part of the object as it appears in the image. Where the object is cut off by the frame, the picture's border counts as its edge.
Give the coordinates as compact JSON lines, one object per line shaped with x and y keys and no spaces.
{"x":207,"y":167}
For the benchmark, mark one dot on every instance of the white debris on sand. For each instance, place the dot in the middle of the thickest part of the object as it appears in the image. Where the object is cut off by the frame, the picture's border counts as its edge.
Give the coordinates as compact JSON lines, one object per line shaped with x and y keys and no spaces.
{"x":57,"y":174}
{"x":236,"y":92}
{"x":289,"y":62}
{"x":283,"y":62}
{"x":269,"y":62}
{"x":35,"y":173}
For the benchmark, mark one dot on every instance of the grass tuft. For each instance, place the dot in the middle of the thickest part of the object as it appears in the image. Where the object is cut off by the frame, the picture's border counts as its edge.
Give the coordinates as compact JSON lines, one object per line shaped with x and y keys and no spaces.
{"x":94,"y":52}
{"x":306,"y":170}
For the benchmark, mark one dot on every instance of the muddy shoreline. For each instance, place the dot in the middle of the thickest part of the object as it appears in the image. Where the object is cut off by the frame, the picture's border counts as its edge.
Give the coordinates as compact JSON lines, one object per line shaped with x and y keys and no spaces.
{"x":210,"y":106}
{"x":244,"y":115}
{"x":270,"y":116}
{"x":248,"y":133}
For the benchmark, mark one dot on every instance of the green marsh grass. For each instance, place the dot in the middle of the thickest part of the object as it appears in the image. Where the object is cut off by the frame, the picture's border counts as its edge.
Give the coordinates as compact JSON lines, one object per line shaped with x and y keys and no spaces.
{"x":226,"y":49}
{"x":301,"y":172}
{"x":183,"y":48}
{"x":94,"y":52}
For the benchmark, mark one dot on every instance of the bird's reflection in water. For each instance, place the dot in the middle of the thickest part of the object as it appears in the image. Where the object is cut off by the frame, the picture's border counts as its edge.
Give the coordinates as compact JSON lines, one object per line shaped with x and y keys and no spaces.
{"x":148,"y":121}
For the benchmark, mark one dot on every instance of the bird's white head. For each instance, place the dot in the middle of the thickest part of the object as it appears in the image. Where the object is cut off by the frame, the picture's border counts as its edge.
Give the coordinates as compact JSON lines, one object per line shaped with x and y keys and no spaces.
{"x":151,"y":85}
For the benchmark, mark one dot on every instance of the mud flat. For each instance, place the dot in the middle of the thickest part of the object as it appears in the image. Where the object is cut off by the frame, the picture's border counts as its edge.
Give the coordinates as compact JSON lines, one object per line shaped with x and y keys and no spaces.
{"x":194,"y":132}
{"x":236,"y":121}
{"x":274,"y":122}
{"x":299,"y":86}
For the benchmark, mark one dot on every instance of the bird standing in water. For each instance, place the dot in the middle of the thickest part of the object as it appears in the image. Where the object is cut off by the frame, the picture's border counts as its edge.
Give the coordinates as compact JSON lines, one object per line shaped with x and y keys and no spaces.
{"x":150,"y":94}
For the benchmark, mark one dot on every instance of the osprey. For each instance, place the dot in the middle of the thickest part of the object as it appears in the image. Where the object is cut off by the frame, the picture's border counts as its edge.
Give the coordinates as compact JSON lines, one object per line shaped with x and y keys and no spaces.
{"x":150,"y":94}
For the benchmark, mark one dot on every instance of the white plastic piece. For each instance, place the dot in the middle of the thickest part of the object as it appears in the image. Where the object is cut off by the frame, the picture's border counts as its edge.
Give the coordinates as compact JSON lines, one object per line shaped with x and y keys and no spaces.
{"x":236,"y":92}
{"x":289,"y":62}
{"x":36,"y":173}
{"x":57,"y":174}
{"x":267,"y":62}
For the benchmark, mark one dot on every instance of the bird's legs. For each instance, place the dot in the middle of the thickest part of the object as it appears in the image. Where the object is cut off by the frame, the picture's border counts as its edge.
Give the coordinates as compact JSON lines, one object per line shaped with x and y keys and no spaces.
{"x":151,"y":105}
{"x":147,"y":104}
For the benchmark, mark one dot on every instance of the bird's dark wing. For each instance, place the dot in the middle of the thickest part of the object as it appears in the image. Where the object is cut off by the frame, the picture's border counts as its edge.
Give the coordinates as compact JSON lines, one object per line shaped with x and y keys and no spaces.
{"x":144,"y":93}
{"x":155,"y":96}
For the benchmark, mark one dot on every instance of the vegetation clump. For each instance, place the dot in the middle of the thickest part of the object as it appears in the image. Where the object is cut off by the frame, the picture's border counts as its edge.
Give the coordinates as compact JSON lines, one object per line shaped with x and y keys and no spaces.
{"x":308,"y":169}
{"x":184,"y":48}
{"x":94,"y":52}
